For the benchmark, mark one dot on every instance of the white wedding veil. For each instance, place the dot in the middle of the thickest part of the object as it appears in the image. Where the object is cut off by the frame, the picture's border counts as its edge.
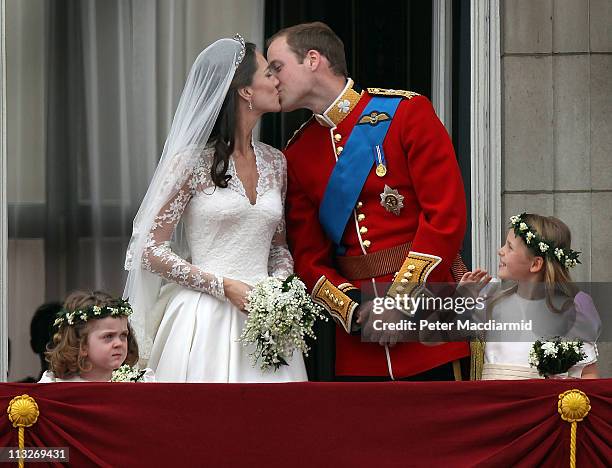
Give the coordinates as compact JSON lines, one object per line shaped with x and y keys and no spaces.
{"x":198,"y":108}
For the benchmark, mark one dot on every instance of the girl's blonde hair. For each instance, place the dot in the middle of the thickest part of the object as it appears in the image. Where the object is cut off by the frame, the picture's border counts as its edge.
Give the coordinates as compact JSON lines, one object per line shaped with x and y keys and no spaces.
{"x":557,"y":279}
{"x":65,"y":354}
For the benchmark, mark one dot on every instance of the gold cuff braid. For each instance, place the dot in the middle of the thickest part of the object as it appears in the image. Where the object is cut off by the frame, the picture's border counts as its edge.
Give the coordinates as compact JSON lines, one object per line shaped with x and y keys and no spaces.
{"x":335,"y":301}
{"x":413,"y":273}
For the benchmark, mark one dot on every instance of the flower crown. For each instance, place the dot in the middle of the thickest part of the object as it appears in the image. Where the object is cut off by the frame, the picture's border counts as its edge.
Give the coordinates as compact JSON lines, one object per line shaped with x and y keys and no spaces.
{"x":568,"y":258}
{"x":118,"y":309}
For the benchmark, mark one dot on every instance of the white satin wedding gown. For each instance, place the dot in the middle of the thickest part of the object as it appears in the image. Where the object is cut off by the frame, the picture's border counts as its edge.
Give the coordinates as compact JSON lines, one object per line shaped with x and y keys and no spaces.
{"x":197,"y":340}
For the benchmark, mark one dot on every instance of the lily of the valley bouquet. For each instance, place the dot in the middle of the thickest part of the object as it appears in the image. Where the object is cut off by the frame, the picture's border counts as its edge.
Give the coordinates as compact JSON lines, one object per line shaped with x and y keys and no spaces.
{"x":281,"y":317}
{"x":127,"y":373}
{"x":555,"y":356}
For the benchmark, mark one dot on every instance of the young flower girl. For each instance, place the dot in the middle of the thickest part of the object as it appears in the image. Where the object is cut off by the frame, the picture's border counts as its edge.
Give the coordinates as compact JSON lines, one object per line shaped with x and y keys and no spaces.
{"x":537,"y":256}
{"x":93,"y":340}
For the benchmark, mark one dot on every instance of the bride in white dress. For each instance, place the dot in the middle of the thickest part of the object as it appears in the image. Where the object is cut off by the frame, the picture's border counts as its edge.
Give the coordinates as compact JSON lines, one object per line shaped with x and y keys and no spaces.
{"x":211,"y":225}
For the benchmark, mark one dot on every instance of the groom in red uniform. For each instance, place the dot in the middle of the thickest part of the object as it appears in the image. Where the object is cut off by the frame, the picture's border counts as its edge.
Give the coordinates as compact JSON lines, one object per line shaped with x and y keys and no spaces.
{"x":374,"y":198}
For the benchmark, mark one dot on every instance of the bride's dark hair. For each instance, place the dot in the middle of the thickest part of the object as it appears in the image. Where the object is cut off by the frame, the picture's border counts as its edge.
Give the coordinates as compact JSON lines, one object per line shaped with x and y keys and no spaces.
{"x":223,"y":131}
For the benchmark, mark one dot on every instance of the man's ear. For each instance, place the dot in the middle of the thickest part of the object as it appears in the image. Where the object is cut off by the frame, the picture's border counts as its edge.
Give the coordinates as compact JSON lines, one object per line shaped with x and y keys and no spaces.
{"x":537,"y":264}
{"x":313,"y":59}
{"x":246,"y":93}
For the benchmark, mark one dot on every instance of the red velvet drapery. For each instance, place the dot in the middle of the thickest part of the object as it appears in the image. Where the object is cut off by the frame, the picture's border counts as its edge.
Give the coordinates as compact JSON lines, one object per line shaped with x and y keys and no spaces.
{"x":496,"y":423}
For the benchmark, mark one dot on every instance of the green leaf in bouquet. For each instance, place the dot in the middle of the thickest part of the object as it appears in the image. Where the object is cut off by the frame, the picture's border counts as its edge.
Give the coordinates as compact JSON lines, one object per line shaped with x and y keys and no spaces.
{"x":287,"y":282}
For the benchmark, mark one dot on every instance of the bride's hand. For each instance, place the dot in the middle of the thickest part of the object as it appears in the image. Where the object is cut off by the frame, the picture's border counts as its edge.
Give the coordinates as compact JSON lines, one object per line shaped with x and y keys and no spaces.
{"x":236,"y":292}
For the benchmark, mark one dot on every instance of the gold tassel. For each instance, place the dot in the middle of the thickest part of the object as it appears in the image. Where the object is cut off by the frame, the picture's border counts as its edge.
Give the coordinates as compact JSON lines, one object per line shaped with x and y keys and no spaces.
{"x":22,"y":412}
{"x":573,"y":406}
{"x":477,"y":359}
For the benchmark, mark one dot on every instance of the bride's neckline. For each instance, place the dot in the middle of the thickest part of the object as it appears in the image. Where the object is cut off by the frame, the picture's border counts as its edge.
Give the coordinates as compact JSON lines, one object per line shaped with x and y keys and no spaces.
{"x":240,"y":184}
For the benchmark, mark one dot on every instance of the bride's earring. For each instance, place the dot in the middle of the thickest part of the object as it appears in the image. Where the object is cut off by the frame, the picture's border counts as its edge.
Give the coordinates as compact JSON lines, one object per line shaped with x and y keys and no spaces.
{"x":250,"y":105}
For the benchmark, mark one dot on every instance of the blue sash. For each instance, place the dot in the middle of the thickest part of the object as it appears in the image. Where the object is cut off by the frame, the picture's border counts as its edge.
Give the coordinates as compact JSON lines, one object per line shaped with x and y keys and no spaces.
{"x":362,"y":149}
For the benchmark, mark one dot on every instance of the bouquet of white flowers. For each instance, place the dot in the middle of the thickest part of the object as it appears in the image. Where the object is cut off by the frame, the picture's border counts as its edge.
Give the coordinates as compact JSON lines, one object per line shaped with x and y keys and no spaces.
{"x":555,"y":356}
{"x":127,"y":373}
{"x":281,"y":317}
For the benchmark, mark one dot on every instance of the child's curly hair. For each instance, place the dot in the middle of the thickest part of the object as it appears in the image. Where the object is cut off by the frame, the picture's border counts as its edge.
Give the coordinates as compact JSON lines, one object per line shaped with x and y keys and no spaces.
{"x":65,"y":355}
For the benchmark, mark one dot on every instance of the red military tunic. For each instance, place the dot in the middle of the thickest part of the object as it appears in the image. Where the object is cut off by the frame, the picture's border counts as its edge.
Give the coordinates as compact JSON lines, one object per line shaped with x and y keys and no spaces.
{"x":421,"y":165}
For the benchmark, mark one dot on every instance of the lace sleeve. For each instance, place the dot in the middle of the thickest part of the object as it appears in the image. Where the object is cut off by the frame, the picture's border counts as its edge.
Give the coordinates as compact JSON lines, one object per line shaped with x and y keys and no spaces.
{"x":280,"y":262}
{"x":159,"y":258}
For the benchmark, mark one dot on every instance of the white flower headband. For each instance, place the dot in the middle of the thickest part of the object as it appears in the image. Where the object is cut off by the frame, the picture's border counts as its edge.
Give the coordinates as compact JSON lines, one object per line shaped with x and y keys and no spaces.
{"x":568,"y":258}
{"x":119,"y":308}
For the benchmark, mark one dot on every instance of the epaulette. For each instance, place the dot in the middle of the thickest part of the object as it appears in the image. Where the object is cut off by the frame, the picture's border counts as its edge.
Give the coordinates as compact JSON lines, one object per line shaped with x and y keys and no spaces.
{"x":392,"y":92}
{"x":298,"y":131}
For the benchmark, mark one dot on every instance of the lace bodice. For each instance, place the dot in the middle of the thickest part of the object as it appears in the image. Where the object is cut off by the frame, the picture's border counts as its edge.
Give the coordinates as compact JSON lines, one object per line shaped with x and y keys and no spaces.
{"x":227,"y":236}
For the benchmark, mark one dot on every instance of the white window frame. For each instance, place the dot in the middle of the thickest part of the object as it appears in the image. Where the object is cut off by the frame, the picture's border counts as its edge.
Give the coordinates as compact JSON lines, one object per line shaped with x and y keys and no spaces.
{"x":3,"y":204}
{"x":442,"y":62}
{"x":485,"y":132}
{"x":485,"y":118}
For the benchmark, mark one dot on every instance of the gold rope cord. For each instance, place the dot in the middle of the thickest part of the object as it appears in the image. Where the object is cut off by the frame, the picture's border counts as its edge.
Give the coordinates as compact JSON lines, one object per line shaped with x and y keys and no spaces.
{"x":477,"y":358}
{"x":573,"y":406}
{"x":22,"y":412}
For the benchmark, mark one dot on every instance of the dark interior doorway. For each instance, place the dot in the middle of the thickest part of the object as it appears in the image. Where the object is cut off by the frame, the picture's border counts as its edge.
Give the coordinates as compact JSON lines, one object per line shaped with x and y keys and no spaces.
{"x":388,"y":46}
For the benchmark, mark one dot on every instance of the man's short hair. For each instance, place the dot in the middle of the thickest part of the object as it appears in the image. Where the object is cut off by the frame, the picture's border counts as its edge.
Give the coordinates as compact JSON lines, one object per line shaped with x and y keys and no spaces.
{"x":315,"y":36}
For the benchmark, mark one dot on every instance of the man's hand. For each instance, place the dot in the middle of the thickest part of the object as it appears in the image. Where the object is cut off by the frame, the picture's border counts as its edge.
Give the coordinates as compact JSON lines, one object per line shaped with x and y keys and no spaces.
{"x":366,"y":317}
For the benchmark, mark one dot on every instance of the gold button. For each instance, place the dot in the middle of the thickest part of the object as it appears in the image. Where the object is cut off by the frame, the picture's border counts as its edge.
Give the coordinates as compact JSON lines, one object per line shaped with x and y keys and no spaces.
{"x":400,"y":289}
{"x":363,"y":229}
{"x":359,"y":205}
{"x":411,"y":267}
{"x":341,"y":303}
{"x":404,"y":280}
{"x":360,"y":217}
{"x":339,"y":150}
{"x":327,"y":292}
{"x":407,"y":275}
{"x":337,"y":137}
{"x":366,"y":243}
